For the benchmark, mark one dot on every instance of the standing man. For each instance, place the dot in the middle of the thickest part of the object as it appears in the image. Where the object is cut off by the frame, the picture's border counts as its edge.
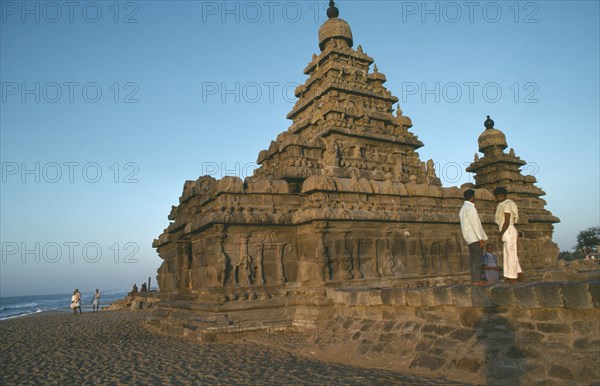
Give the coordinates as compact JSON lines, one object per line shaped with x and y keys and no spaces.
{"x":507,"y":215}
{"x":96,"y":301}
{"x":473,"y":233}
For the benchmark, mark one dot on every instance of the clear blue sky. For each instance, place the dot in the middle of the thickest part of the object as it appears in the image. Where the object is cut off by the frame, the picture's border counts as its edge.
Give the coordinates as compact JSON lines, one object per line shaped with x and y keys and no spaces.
{"x":174,"y":61}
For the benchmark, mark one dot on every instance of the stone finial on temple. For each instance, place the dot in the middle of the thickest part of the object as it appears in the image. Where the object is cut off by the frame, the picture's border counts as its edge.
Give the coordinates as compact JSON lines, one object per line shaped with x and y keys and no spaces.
{"x":489,"y":123}
{"x":335,"y":30}
{"x":332,"y":11}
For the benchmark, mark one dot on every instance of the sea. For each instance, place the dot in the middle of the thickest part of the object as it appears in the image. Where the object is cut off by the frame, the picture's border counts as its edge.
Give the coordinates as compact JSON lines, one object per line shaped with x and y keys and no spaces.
{"x":17,"y":306}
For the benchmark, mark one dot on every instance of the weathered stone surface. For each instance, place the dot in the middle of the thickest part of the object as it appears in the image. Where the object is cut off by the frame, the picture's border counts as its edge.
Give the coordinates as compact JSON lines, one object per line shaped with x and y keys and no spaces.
{"x":526,"y":297}
{"x":408,"y":327}
{"x":371,"y":298}
{"x":507,"y":370}
{"x":413,"y":298}
{"x":585,"y":344}
{"x":471,"y":365}
{"x":442,"y":296}
{"x":470,"y":317}
{"x":366,"y":325}
{"x":549,"y":295}
{"x":393,"y":297}
{"x":554,"y":328}
{"x":365,"y":346}
{"x":529,"y":337}
{"x":432,"y":314}
{"x":339,"y":297}
{"x":545,"y":315}
{"x":512,"y":348}
{"x":496,"y":332}
{"x":461,"y":296}
{"x":587,"y":374}
{"x":437,"y":329}
{"x":389,"y":325}
{"x":378,"y":347}
{"x":516,"y":352}
{"x":525,"y":326}
{"x":480,"y":297}
{"x":595,"y":291}
{"x":560,"y":372}
{"x":577,"y":295}
{"x":588,"y":327}
{"x":462,"y":334}
{"x":502,"y":296}
{"x":430,"y":362}
{"x":427,"y":296}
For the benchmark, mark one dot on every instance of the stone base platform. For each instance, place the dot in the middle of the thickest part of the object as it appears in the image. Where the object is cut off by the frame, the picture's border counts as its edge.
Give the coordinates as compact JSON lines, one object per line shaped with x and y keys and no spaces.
{"x":535,"y":333}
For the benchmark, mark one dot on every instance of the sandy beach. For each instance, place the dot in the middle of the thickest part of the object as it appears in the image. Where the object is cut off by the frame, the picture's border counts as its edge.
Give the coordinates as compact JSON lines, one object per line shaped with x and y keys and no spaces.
{"x":113,"y":347}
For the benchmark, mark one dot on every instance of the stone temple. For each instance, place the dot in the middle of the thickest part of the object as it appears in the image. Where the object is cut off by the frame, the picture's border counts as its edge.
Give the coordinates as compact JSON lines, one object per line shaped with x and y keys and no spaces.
{"x":341,"y":202}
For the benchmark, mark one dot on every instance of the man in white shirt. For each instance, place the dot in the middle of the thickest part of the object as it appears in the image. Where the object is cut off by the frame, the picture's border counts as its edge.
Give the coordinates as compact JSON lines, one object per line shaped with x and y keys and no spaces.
{"x":473,"y":233}
{"x":507,"y":215}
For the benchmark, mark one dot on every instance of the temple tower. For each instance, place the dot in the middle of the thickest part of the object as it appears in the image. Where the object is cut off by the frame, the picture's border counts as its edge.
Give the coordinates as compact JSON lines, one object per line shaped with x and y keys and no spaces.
{"x":343,"y":121}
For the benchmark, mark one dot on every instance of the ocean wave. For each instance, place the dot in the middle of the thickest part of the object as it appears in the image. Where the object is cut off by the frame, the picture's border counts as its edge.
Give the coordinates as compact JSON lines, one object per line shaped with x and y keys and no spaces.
{"x":36,"y":311}
{"x":18,"y":306}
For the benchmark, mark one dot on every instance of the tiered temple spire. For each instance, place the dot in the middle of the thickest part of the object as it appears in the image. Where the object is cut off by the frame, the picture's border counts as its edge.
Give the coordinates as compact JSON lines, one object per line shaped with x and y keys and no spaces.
{"x":344,"y":109}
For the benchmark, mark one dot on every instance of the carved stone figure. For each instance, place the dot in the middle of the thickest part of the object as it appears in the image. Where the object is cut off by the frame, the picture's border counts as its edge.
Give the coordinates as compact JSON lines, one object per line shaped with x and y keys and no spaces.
{"x":322,"y":256}
{"x":223,"y":264}
{"x":258,"y":268}
{"x":388,"y":257}
{"x":375,"y":259}
{"x":243,"y":269}
{"x":430,"y":168}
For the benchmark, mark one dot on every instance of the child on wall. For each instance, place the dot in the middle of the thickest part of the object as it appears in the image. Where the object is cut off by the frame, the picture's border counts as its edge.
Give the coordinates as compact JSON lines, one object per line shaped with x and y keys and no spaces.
{"x":490,"y":265}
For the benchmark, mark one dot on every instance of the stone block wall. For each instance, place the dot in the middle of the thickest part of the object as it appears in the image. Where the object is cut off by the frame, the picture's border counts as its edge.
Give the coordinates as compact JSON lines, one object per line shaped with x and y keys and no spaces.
{"x":543,"y":333}
{"x":531,"y":334}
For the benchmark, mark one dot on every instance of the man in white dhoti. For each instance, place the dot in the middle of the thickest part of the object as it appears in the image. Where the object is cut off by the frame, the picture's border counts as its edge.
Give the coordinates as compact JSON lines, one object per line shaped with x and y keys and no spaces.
{"x":473,"y":234}
{"x":507,"y":215}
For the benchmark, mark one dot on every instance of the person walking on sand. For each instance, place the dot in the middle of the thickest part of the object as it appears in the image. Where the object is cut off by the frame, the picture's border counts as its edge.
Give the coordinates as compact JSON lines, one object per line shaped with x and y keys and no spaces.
{"x":76,"y":301}
{"x":507,"y":215}
{"x":134,"y":290}
{"x":96,"y":301}
{"x":474,"y":235}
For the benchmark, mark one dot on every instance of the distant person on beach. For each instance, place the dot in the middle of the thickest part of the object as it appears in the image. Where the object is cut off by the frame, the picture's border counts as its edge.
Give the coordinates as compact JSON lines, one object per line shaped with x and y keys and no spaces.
{"x":490,"y":265}
{"x":134,"y":290}
{"x":96,"y":301}
{"x":474,"y":235}
{"x":76,"y":301}
{"x":144,"y":291}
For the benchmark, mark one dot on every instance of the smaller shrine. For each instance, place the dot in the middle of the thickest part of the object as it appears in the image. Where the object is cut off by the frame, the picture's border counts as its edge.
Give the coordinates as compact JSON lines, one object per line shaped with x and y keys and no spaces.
{"x":499,"y":168}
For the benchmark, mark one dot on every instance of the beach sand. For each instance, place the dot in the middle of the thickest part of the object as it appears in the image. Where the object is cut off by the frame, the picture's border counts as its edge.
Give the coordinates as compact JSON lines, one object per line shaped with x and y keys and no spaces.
{"x":114,"y":347}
